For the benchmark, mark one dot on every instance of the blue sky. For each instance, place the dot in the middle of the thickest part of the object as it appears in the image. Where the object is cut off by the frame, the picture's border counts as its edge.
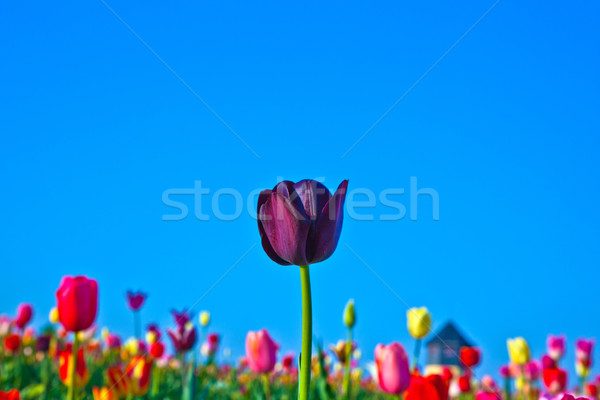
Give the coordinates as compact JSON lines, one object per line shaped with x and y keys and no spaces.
{"x":505,"y":128}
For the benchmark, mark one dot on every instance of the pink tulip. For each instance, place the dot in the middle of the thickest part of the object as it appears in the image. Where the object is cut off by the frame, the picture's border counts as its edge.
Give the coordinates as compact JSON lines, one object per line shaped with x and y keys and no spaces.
{"x":261,"y":351}
{"x":548,"y":362}
{"x":24,"y":314}
{"x":487,"y":396}
{"x":533,"y":370}
{"x":584,"y":348}
{"x":392,"y":368}
{"x":505,"y":371}
{"x":556,"y":346}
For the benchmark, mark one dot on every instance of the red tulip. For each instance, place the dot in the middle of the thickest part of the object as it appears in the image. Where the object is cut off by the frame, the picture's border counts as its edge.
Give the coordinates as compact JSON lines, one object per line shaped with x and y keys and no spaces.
{"x":12,"y":342}
{"x":591,"y":389}
{"x":421,"y":388}
{"x":555,"y":380}
{"x":440,"y":384}
{"x":157,"y":349}
{"x":24,"y":314}
{"x":135,"y":301}
{"x":287,"y":362}
{"x":118,"y":381}
{"x":10,"y":395}
{"x":77,"y":299}
{"x":392,"y":368}
{"x":138,"y":372}
{"x":470,"y":356}
{"x":300,"y":223}
{"x":464,"y":383}
{"x":261,"y":351}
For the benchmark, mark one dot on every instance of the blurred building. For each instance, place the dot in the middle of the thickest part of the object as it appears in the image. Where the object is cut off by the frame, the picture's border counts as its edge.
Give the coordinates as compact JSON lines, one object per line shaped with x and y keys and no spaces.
{"x":444,"y":348}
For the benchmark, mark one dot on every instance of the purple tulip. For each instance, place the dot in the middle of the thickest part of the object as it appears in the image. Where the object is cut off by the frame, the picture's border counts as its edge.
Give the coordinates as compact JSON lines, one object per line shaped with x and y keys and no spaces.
{"x":184,"y":336}
{"x":300,"y":223}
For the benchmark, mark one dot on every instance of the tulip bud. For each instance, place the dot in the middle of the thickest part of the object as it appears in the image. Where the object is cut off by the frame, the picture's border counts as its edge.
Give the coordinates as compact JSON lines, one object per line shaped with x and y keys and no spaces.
{"x":204,"y":318}
{"x":419,"y":322}
{"x":518,"y":350}
{"x":349,"y":314}
{"x":151,"y":337}
{"x":53,"y":316}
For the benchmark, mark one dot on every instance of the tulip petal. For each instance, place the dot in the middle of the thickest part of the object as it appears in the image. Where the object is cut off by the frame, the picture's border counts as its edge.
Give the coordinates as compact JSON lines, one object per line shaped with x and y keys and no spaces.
{"x":326,"y":235}
{"x":286,"y":227}
{"x":314,"y":196}
{"x":262,"y":199}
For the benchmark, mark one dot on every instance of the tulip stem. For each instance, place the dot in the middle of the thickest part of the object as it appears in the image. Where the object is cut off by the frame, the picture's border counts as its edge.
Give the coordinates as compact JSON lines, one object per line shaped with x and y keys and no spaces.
{"x":266,"y":387}
{"x":347,"y":361}
{"x":416,"y":354}
{"x":72,"y":368}
{"x":305,"y":355}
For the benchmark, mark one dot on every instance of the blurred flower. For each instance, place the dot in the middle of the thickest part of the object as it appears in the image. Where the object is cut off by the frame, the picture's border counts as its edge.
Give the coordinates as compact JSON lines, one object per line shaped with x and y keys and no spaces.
{"x":419,"y":322}
{"x":548,"y":362}
{"x":287,"y":362}
{"x":53,"y":316}
{"x":583,"y":357}
{"x":470,"y":356}
{"x":42,"y":343}
{"x":154,"y":332}
{"x":518,"y":350}
{"x":24,"y":314}
{"x":5,"y":325}
{"x":204,"y":318}
{"x":505,"y":371}
{"x":210,"y":346}
{"x":441,"y":385}
{"x":12,"y":342}
{"x":118,"y":381}
{"x":339,"y":349}
{"x":487,"y":396}
{"x":135,"y":300}
{"x":488,"y":384}
{"x":104,"y":393}
{"x":556,"y":346}
{"x":300,"y":223}
{"x":533,"y":370}
{"x":349,"y":314}
{"x":421,"y":388}
{"x":591,"y":389}
{"x":77,"y":299}
{"x":157,"y":349}
{"x":261,"y":351}
{"x":555,"y":380}
{"x":464,"y":383}
{"x":10,"y":395}
{"x":138,"y":371}
{"x":184,"y":336}
{"x":393,"y":373}
{"x":112,"y":341}
{"x":82,"y":376}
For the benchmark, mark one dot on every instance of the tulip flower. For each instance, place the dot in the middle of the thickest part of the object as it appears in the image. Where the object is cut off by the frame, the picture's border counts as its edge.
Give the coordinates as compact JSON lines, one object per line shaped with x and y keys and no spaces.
{"x":418,"y":320}
{"x":349,"y":317}
{"x":10,"y":395}
{"x":287,"y":362}
{"x":204,"y":318}
{"x":421,"y":388}
{"x":441,"y":384}
{"x":77,"y":304}
{"x":157,"y":349}
{"x":300,"y":224}
{"x":42,"y":343}
{"x":12,"y":342}
{"x":533,"y":370}
{"x":470,"y":356}
{"x":210,"y":346}
{"x":555,"y":380}
{"x":104,"y":393}
{"x":393,"y":373}
{"x":261,"y":351}
{"x":118,"y":381}
{"x":5,"y":325}
{"x":518,"y":350}
{"x":464,"y":383}
{"x":24,"y":315}
{"x":583,"y":359}
{"x":556,"y":346}
{"x":548,"y":362}
{"x":53,"y":316}
{"x":184,"y":336}
{"x":487,"y":396}
{"x":81,"y":374}
{"x":135,"y":301}
{"x":138,"y":372}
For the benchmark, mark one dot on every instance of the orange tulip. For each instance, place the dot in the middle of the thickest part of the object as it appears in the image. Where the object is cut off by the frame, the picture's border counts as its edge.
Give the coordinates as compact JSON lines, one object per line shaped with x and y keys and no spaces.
{"x":138,"y":372}
{"x":82,"y":376}
{"x":118,"y":381}
{"x":104,"y":393}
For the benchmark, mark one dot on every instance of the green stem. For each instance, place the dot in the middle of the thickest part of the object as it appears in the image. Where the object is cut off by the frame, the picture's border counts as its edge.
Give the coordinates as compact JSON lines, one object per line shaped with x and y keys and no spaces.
{"x":347,"y":362}
{"x":266,"y":387}
{"x":72,"y":369}
{"x":416,"y":354}
{"x":305,"y":355}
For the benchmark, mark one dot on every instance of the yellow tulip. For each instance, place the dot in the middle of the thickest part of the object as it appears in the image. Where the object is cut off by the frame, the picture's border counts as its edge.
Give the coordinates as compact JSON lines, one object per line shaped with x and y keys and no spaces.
{"x":151,"y":337}
{"x":53,"y":316}
{"x":518,"y":350}
{"x":419,"y":322}
{"x":204,"y":318}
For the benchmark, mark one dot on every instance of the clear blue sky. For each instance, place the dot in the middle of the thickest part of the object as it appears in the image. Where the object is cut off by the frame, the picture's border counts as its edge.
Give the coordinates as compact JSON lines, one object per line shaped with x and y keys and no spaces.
{"x":505,"y":128}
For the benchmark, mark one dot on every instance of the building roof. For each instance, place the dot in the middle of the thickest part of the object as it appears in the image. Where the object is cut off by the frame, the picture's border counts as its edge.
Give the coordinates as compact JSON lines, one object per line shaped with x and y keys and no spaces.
{"x":449,"y":333}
